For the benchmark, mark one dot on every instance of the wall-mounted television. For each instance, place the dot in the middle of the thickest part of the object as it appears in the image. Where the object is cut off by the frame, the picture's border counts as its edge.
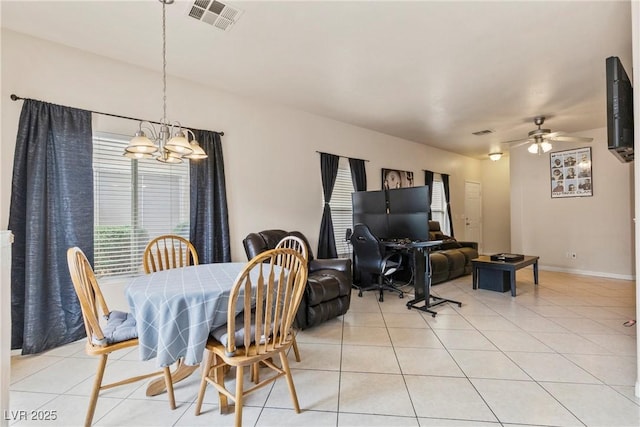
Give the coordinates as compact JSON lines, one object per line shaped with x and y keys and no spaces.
{"x":619,"y":110}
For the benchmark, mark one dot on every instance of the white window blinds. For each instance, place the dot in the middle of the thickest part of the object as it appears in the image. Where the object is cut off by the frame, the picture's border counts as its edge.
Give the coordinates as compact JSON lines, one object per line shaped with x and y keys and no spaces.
{"x":134,"y":201}
{"x":341,"y":211}
{"x":439,"y":207}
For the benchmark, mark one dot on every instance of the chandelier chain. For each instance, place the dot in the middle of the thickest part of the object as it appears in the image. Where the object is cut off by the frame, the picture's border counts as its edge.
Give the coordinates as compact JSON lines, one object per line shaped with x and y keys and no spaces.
{"x":164,"y":63}
{"x":169,"y":142}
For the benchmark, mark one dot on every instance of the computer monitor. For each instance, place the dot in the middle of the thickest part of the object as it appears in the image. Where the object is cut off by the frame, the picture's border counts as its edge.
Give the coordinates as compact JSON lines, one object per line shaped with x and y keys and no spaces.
{"x":377,"y":223}
{"x":370,"y":208}
{"x":369,"y":202}
{"x":408,"y":200}
{"x":409,"y":213}
{"x":401,"y":213}
{"x":413,"y":226}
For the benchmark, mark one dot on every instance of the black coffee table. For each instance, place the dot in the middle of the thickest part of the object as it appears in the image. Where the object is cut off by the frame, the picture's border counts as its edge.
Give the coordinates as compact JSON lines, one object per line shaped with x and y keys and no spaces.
{"x":500,"y":275}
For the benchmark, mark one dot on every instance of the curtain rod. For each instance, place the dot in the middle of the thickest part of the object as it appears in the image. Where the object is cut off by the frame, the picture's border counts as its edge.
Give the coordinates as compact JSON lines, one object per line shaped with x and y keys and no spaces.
{"x":17,"y":98}
{"x":346,"y":157}
{"x":439,"y":173}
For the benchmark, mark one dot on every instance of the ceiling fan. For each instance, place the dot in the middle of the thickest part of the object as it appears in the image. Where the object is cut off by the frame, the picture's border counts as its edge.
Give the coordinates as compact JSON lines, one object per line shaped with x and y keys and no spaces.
{"x":541,"y":139}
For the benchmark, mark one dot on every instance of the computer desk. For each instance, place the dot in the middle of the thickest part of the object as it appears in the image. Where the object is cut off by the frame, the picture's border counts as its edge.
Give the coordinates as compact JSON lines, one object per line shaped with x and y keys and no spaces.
{"x":421,"y":273}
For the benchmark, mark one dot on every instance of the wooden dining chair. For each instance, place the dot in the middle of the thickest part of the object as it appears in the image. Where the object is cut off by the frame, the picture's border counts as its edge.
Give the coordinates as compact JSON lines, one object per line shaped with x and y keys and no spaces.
{"x":163,"y":253}
{"x":118,"y":332}
{"x":169,"y":251}
{"x":297,"y":244}
{"x":268,"y":291}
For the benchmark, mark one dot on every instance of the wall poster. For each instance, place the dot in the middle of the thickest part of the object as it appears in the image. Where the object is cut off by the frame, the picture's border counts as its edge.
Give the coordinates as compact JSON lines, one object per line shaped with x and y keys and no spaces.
{"x":571,"y":173}
{"x":392,"y":178}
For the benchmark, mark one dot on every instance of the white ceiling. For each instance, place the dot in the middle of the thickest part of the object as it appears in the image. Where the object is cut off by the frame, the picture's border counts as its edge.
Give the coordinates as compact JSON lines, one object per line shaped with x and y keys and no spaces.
{"x":430,"y":72}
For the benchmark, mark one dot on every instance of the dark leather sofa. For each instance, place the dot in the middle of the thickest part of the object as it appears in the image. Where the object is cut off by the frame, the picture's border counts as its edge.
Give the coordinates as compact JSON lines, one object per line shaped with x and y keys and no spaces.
{"x":452,"y":259}
{"x":328,"y":291}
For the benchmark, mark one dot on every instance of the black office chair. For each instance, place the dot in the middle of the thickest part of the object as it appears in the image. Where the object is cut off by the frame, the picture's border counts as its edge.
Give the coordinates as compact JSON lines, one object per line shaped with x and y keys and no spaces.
{"x":371,"y":258}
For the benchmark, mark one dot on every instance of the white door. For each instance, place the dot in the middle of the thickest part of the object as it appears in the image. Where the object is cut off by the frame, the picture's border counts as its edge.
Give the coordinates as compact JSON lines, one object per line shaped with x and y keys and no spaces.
{"x":473,"y":213}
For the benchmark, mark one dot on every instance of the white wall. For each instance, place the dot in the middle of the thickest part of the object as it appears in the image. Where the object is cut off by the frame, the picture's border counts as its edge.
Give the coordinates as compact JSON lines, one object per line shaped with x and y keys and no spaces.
{"x":599,"y":229}
{"x":496,"y":210}
{"x":271,"y":165}
{"x":635,"y":33}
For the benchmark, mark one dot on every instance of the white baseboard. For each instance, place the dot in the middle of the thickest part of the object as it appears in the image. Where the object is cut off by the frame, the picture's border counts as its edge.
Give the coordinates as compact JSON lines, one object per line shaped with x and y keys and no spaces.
{"x":587,"y":273}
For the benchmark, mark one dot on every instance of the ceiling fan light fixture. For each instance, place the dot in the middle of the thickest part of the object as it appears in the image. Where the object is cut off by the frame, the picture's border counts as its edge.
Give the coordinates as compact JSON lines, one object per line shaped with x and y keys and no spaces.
{"x":546,"y":146}
{"x":533,"y":148}
{"x":495,"y":156}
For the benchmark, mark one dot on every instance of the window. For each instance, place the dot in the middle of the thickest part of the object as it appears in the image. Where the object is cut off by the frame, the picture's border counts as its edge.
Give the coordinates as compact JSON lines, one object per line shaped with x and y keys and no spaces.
{"x":134,"y":201}
{"x":341,"y":209}
{"x":439,"y":206}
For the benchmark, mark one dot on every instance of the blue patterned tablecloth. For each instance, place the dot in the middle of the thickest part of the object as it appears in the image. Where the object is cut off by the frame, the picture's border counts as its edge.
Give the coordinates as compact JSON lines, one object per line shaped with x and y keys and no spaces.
{"x":176,"y":309}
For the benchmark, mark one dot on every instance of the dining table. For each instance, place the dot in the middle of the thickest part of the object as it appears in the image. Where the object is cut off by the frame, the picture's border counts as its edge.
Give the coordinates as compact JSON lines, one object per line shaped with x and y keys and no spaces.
{"x":175,"y":311}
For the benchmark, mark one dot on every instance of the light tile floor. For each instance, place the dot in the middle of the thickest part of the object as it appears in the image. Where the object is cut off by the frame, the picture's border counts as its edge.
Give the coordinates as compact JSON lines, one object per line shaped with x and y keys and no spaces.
{"x":555,"y":355}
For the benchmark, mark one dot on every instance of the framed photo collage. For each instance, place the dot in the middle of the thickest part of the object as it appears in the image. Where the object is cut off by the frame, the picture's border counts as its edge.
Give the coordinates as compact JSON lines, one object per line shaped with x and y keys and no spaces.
{"x":571,"y":173}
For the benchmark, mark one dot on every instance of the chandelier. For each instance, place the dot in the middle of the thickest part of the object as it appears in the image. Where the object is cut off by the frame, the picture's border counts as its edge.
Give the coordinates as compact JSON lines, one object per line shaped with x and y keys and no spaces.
{"x":162,"y":145}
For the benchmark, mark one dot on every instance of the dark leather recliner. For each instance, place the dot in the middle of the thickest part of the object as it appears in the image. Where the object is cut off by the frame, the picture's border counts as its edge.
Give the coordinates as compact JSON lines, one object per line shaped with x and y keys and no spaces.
{"x":328,"y":291}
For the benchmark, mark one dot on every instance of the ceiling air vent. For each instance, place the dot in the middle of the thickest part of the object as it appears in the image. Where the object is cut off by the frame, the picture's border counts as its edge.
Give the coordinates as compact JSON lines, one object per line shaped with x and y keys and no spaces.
{"x":482,"y":132}
{"x":212,"y":12}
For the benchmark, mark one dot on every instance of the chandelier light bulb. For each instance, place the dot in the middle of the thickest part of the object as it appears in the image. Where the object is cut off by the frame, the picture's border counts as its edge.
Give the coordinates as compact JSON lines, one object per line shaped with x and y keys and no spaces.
{"x":179,"y":144}
{"x":169,"y":157}
{"x":137,"y":156}
{"x":140,"y":143}
{"x":198,"y":153}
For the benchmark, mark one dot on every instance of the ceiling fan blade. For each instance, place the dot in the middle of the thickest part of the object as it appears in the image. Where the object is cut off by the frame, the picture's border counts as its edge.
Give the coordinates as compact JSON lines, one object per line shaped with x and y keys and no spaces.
{"x":543,"y":136}
{"x":521,"y":143}
{"x":514,"y":141}
{"x":552,"y":135}
{"x":570,"y":139}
